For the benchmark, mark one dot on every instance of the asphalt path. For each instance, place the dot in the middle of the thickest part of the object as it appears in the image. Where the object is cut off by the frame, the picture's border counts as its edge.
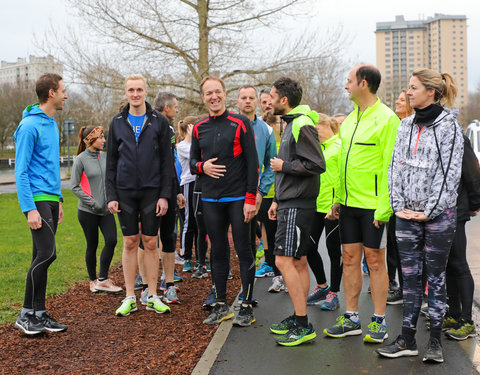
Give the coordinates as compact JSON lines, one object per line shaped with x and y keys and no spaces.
{"x":253,"y":350}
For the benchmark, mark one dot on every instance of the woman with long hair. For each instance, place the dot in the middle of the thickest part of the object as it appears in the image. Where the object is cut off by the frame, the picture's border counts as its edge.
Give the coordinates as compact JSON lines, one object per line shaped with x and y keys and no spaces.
{"x":424,"y":176}
{"x":88,"y":184}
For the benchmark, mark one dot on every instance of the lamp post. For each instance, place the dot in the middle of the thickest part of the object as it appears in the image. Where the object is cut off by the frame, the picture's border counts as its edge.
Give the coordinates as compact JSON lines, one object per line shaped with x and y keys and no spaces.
{"x":68,"y":129}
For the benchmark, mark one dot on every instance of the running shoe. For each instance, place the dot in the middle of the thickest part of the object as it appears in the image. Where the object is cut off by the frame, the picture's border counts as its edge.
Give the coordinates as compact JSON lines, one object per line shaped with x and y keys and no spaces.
{"x":50,"y":324}
{"x":399,"y":348}
{"x":244,"y":317}
{"x":344,"y":327}
{"x":29,"y":324}
{"x":210,"y":299}
{"x":93,"y":286}
{"x":365,"y":267}
{"x":144,"y":297}
{"x":392,"y":286}
{"x":424,"y":311}
{"x":187,"y":266}
{"x":138,"y":282}
{"x":107,"y":286}
{"x":209,"y":268}
{"x":155,"y":304}
{"x":200,"y":273}
{"x":176,"y":278}
{"x":230,"y":275}
{"x":449,"y":322}
{"x":331,"y":302}
{"x":163,"y":286}
{"x":377,"y":332}
{"x":170,"y":295}
{"x":219,"y":313}
{"x":284,"y":326}
{"x":462,"y":331}
{"x":297,"y":335}
{"x":395,"y":297}
{"x":434,"y":351}
{"x":318,"y":295}
{"x":240,"y":300}
{"x":264,"y":270}
{"x":260,"y":250}
{"x":128,"y":305}
{"x":178,"y":259}
{"x":197,"y":264}
{"x":277,"y":285}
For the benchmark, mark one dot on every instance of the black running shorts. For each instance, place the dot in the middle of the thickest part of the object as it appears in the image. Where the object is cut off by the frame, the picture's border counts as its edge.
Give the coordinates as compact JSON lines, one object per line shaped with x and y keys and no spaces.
{"x":138,"y":203}
{"x":356,"y":225}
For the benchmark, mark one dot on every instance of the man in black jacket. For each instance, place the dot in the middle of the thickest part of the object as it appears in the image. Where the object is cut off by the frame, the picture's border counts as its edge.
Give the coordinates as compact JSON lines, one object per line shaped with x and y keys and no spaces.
{"x":138,"y":186}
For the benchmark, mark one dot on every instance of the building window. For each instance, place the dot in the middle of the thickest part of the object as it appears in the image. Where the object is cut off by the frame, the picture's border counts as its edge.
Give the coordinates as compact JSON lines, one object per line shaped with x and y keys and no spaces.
{"x":387,"y":44}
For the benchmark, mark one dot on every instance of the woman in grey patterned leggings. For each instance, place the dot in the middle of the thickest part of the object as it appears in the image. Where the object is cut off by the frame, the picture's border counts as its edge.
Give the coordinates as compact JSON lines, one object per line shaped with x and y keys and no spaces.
{"x":423,"y":180}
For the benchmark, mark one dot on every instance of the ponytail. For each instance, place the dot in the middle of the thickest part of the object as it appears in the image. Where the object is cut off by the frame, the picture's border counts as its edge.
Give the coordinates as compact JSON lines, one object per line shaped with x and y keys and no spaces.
{"x":449,"y":90}
{"x":84,"y":131}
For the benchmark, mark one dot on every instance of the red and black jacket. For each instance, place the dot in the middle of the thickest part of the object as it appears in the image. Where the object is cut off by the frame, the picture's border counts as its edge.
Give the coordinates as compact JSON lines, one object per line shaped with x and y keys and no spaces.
{"x":230,"y":138}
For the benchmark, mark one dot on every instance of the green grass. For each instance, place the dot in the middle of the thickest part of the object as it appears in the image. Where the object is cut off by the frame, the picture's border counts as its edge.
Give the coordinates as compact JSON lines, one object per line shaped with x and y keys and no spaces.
{"x":16,"y":254}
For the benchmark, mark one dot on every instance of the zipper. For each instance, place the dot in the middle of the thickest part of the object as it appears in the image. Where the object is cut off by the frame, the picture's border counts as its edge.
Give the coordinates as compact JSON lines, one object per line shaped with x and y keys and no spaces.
{"x":365,"y":144}
{"x":418,"y":138}
{"x":348,"y":152}
{"x":376,"y":191}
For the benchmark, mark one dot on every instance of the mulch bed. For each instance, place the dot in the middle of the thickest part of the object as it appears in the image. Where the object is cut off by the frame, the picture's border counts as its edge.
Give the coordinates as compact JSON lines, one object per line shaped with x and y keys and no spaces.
{"x":98,"y":342}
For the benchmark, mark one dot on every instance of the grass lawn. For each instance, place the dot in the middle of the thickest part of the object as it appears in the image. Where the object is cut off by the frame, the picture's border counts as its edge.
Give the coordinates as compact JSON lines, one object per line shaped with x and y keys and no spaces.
{"x":16,"y":254}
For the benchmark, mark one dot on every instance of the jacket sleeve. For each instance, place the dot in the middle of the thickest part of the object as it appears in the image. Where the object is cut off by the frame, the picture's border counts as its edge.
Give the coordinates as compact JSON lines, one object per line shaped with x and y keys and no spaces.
{"x":445,"y":181}
{"x":196,"y":162}
{"x":268,"y":176}
{"x":395,"y":175}
{"x":167,"y":166}
{"x":24,"y":144}
{"x":249,"y":150}
{"x":387,"y":143}
{"x":77,"y":171}
{"x":309,"y":158}
{"x":471,"y":175}
{"x":112,"y":160}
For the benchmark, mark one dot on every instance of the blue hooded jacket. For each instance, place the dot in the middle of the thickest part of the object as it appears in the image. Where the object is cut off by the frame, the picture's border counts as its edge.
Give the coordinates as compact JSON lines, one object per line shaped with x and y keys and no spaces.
{"x":37,"y":158}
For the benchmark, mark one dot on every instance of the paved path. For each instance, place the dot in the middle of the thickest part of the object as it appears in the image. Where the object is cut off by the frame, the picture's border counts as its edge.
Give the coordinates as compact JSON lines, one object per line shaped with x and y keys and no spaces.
{"x":253,"y":350}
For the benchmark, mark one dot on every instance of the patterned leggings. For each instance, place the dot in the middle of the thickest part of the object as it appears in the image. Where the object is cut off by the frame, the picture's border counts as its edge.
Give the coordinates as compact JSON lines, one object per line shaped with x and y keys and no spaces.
{"x":425,"y":243}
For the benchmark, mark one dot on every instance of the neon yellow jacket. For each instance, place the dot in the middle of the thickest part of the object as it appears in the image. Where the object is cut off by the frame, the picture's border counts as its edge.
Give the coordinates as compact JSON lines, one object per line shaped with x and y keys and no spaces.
{"x":329,"y":180}
{"x":367,"y":139}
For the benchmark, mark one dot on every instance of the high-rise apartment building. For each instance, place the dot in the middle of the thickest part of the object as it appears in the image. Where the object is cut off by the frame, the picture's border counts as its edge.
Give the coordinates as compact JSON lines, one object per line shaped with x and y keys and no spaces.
{"x":25,"y":73}
{"x":438,"y":43}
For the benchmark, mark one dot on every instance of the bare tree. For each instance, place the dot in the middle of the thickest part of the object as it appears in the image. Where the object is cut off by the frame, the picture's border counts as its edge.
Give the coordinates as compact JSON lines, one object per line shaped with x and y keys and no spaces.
{"x":179,"y":42}
{"x":472,"y":110}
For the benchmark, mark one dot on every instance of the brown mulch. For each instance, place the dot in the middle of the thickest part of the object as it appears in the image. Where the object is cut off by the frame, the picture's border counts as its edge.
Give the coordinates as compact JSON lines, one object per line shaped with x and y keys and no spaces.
{"x":98,"y":342}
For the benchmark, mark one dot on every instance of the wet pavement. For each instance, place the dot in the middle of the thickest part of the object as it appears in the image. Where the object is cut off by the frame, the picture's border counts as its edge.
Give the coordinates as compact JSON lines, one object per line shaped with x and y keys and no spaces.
{"x":253,"y":350}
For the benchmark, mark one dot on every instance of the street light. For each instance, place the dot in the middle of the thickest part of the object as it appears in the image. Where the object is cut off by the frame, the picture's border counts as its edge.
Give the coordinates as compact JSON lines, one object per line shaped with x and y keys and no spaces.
{"x":68,"y":129}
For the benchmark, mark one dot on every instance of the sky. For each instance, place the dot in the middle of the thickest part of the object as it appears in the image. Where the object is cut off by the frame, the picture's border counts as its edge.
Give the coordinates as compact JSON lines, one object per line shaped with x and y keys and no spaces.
{"x":22,"y":19}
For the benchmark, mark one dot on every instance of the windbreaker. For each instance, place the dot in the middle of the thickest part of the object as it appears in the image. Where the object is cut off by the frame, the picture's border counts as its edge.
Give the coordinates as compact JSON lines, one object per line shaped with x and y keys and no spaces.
{"x":329,"y":180}
{"x":367,"y":140}
{"x":37,"y":158}
{"x":297,"y":185}
{"x":469,"y":189}
{"x":88,"y":182}
{"x":426,"y":165}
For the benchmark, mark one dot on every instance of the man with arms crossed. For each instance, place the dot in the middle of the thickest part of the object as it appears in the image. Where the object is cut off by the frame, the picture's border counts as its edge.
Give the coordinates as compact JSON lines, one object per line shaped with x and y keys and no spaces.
{"x":37,"y":174}
{"x":368,"y":136}
{"x":139,"y":176}
{"x":297,"y":182}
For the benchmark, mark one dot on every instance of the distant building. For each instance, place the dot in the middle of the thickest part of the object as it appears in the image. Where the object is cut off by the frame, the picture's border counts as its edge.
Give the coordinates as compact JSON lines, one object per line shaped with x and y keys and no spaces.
{"x":438,"y":43}
{"x":25,"y":73}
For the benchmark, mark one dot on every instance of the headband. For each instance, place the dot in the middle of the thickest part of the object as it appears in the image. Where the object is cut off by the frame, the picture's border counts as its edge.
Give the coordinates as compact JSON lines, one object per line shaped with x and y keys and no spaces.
{"x":93,"y":136}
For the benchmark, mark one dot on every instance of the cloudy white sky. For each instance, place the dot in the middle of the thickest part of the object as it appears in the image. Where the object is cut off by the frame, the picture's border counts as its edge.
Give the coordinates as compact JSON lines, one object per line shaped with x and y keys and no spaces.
{"x":21,"y":19}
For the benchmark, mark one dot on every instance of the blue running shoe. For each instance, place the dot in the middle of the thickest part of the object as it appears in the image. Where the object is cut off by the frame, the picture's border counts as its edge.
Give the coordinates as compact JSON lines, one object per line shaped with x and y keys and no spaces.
{"x":138,"y":282}
{"x":264,"y":270}
{"x":187,"y":266}
{"x":176,"y":278}
{"x":318,"y":295}
{"x":210,"y":299}
{"x":331,"y":302}
{"x":365,"y":267}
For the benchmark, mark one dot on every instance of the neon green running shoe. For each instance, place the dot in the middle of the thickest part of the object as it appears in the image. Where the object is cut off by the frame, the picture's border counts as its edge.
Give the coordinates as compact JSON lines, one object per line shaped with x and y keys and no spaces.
{"x":377,"y":332}
{"x":128,"y":305}
{"x":463,"y":331}
{"x":284,"y":326}
{"x":449,"y":322}
{"x":297,"y":335}
{"x":154,"y":304}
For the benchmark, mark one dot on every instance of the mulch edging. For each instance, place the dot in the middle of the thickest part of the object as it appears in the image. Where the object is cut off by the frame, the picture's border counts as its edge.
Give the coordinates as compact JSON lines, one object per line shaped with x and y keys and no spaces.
{"x":98,"y":342}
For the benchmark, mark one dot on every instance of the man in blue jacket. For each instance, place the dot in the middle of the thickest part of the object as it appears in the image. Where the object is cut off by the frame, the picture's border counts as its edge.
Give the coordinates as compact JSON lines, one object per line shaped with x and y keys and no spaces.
{"x":37,"y":174}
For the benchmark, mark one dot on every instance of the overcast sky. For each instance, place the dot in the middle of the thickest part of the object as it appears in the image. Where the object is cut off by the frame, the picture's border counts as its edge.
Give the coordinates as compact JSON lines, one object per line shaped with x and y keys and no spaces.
{"x":21,"y":19}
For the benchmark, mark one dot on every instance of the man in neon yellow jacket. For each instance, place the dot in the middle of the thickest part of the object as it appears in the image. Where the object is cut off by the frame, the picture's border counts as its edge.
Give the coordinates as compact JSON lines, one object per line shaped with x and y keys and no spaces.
{"x":368,"y":136}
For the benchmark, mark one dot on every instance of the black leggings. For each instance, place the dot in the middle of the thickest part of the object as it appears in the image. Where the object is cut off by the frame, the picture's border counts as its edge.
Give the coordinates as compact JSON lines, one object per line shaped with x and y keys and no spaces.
{"x":460,"y":284}
{"x":393,"y":258}
{"x":314,"y":259}
{"x":218,"y":217}
{"x":90,"y":224}
{"x":270,"y":230}
{"x":167,"y":227}
{"x":202,"y":244}
{"x":44,"y":253}
{"x":189,"y":232}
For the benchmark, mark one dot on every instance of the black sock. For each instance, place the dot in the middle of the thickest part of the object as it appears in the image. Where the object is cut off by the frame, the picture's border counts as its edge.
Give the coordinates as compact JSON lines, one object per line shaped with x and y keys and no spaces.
{"x":409,"y":334}
{"x":102,"y":279}
{"x":302,"y":321}
{"x":169,"y":285}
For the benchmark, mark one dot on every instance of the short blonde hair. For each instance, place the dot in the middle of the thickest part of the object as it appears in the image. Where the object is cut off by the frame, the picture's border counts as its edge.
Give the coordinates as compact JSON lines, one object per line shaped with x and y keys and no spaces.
{"x":324,"y":119}
{"x":133,"y":77}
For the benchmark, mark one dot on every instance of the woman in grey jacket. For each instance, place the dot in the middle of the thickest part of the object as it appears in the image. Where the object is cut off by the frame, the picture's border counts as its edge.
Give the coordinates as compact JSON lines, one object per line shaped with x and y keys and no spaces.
{"x":424,"y":175}
{"x":88,"y":184}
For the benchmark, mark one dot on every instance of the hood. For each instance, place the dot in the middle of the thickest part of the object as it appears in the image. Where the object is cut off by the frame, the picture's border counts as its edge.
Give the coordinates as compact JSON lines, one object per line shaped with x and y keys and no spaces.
{"x":302,"y":110}
{"x":34,"y":110}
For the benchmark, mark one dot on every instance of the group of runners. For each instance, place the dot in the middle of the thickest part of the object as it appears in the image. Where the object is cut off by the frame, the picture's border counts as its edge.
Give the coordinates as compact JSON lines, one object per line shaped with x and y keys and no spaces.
{"x":283,"y":176}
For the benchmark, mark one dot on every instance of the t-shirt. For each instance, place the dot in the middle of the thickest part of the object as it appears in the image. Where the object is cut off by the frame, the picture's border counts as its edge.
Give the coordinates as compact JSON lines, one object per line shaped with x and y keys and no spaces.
{"x":137,"y":124}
